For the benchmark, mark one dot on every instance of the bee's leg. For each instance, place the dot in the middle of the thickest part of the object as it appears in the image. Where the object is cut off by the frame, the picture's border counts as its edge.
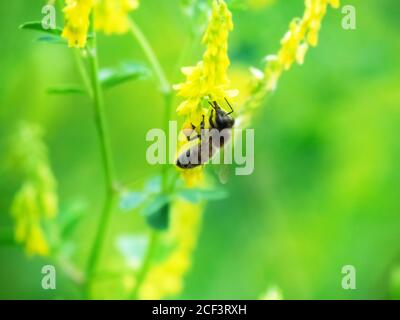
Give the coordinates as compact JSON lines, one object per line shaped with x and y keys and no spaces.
{"x":212,"y":124}
{"x":188,"y":132}
{"x":189,"y":136}
{"x":194,"y":137}
{"x":202,"y":127}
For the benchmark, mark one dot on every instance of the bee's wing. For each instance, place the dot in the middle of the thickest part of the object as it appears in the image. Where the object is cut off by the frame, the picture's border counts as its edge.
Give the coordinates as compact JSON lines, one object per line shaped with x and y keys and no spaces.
{"x":223,"y":173}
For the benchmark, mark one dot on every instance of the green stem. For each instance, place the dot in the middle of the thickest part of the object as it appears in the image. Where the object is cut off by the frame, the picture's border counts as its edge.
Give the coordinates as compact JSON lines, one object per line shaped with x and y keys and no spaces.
{"x":166,"y":90}
{"x":168,"y":98}
{"x":101,"y":126}
{"x":83,"y":73}
{"x":151,"y":56}
{"x":165,"y":86}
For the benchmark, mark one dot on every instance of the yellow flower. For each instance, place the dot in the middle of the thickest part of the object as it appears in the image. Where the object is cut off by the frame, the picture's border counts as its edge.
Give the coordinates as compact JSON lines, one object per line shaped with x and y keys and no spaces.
{"x":37,"y":198}
{"x":26,"y":213}
{"x":208,"y":79}
{"x":111,"y":16}
{"x":303,"y":33}
{"x":77,"y":22}
{"x":36,"y":243}
{"x":165,"y":278}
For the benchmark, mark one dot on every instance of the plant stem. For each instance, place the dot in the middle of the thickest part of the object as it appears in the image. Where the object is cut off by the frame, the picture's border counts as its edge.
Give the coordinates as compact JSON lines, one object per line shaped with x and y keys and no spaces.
{"x":151,"y":56}
{"x":101,"y":127}
{"x":82,"y":71}
{"x":165,"y":86}
{"x":166,"y":90}
{"x":168,"y":98}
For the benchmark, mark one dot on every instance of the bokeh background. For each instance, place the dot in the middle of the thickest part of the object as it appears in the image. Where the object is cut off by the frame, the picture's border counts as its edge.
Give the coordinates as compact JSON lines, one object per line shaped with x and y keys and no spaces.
{"x":326,"y":186}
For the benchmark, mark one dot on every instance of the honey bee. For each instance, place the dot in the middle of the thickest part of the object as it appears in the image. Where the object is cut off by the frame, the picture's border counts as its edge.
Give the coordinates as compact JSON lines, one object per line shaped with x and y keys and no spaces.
{"x":209,"y":140}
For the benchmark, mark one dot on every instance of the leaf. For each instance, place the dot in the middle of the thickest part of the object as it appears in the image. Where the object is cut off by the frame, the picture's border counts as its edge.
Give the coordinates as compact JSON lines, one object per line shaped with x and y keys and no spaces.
{"x":71,"y":224}
{"x":155,"y":204}
{"x":157,"y":212}
{"x":66,"y":89}
{"x":196,"y":195}
{"x":153,"y":185}
{"x":132,"y":200}
{"x":112,"y":77}
{"x":38,"y":26}
{"x":159,"y":219}
{"x":133,"y":248}
{"x":69,"y":219}
{"x":51,"y":39}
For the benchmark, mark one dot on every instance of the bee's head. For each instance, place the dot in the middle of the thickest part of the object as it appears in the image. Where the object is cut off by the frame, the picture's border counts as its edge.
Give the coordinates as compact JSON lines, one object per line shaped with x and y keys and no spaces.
{"x":223,"y":120}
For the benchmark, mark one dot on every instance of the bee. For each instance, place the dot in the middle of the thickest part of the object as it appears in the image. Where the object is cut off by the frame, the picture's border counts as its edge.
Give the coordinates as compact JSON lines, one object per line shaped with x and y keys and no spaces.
{"x":209,"y":140}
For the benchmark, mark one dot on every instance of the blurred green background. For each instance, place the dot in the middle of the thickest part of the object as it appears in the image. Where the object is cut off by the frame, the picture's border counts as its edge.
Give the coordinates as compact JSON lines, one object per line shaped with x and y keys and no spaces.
{"x":326,"y":187}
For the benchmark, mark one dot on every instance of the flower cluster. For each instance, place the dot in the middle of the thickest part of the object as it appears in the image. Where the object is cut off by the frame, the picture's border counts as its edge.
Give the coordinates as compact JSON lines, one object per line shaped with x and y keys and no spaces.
{"x":303,"y":33}
{"x":166,"y":277}
{"x":77,"y":14}
{"x":37,"y":198}
{"x":110,"y":16}
{"x":208,"y":79}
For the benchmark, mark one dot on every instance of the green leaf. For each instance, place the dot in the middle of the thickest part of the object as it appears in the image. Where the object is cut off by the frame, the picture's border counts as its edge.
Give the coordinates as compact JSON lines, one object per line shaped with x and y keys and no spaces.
{"x":155,"y":204}
{"x":153,"y":185}
{"x":197,"y":195}
{"x":159,"y":219}
{"x":132,"y":200}
{"x":157,"y":212}
{"x":51,"y":39}
{"x":112,"y":77}
{"x":69,"y":219}
{"x":66,"y":89}
{"x":38,"y":26}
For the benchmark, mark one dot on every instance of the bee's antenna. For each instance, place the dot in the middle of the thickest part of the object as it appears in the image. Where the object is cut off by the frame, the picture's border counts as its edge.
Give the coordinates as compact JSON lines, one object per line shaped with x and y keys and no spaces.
{"x":212,"y":106}
{"x":229,"y":106}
